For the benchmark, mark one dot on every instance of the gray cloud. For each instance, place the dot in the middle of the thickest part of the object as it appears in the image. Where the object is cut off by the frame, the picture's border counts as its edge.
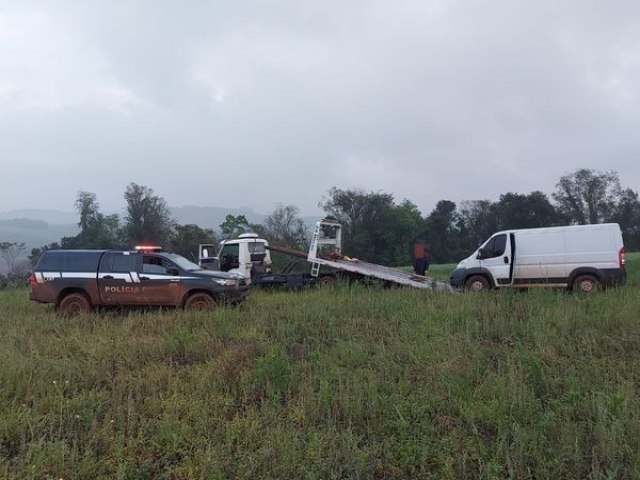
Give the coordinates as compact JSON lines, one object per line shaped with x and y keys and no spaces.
{"x":255,"y":103}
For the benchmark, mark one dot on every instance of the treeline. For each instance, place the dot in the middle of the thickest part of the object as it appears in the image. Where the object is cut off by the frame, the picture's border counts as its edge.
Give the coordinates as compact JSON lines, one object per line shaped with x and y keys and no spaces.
{"x":376,"y":227}
{"x":380,"y":229}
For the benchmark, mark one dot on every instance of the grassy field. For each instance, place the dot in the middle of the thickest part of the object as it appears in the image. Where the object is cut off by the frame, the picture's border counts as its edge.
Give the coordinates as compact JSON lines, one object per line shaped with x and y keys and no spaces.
{"x":328,"y":383}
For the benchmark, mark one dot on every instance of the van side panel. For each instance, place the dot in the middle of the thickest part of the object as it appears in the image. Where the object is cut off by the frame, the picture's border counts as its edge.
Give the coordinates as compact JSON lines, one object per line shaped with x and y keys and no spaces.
{"x":591,"y":247}
{"x":540,"y":257}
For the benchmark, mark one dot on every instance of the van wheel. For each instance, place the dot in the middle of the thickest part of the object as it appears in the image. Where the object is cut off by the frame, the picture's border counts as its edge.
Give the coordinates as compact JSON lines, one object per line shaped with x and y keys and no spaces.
{"x":586,"y":284}
{"x":199,"y":301}
{"x":74,"y":304}
{"x":476,"y":283}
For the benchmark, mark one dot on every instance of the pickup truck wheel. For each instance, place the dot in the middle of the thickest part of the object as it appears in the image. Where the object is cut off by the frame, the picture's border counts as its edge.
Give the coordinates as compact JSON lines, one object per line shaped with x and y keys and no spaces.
{"x":199,"y":301}
{"x":586,"y":284}
{"x":476,"y":283}
{"x":74,"y":304}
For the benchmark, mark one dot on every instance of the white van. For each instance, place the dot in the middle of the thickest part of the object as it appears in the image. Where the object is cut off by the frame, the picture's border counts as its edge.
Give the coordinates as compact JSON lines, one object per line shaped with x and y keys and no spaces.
{"x":582,"y":257}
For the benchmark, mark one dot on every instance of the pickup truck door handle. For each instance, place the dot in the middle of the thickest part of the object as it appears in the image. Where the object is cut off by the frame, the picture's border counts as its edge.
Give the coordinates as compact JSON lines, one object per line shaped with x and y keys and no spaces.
{"x":506,"y":259}
{"x":108,"y":277}
{"x":144,"y":278}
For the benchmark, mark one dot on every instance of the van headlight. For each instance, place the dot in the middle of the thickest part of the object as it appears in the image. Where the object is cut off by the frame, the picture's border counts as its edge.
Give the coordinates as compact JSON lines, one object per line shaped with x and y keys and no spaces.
{"x":227,"y":282}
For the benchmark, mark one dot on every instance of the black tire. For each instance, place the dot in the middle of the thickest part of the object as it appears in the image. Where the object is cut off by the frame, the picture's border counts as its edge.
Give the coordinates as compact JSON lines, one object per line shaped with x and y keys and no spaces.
{"x":586,"y":284}
{"x":327,"y":281}
{"x":476,"y":283}
{"x":200,"y":301}
{"x":74,"y":304}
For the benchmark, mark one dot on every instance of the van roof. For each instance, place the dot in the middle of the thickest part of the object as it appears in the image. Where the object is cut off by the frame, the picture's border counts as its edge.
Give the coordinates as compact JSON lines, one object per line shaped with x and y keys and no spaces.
{"x":594,"y":226}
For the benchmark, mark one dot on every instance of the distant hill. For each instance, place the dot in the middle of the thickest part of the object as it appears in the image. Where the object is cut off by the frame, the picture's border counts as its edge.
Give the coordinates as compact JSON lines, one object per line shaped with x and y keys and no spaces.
{"x":34,"y":233}
{"x":54,"y":217}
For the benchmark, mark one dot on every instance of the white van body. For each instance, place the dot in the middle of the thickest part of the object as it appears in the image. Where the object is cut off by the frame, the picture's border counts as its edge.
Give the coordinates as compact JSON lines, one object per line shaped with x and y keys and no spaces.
{"x":582,"y":257}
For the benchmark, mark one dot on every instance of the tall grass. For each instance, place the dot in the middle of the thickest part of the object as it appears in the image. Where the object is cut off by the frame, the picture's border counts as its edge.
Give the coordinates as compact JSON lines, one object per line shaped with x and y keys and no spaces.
{"x":350,"y":382}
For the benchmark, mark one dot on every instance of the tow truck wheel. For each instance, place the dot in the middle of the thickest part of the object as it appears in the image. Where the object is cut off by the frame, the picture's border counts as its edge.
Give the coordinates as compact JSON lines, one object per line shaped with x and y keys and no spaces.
{"x":199,"y":301}
{"x":327,"y":281}
{"x":477,"y":283}
{"x":586,"y":284}
{"x":74,"y":304}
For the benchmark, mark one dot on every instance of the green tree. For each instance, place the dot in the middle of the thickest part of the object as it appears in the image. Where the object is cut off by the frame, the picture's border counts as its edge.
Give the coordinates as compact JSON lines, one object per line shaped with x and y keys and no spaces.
{"x":96,"y":230}
{"x":588,"y":196}
{"x":186,"y":238}
{"x":148,"y":217}
{"x":477,"y":221}
{"x":88,"y":208}
{"x":627,"y":214}
{"x":440,"y":232}
{"x":375,"y":227}
{"x":284,"y":227}
{"x":514,"y":210}
{"x":234,"y":226}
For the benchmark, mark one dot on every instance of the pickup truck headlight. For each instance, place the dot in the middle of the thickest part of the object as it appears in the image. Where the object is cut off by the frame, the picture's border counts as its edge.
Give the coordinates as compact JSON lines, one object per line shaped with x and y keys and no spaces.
{"x":227,"y":282}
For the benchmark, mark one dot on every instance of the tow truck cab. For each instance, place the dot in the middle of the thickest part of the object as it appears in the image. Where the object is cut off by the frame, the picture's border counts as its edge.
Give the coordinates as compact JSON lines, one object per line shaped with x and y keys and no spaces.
{"x":247,"y":255}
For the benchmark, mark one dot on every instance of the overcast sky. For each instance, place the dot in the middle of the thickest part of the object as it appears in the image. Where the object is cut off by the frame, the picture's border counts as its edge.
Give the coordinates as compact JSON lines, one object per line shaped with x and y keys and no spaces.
{"x":259,"y":102}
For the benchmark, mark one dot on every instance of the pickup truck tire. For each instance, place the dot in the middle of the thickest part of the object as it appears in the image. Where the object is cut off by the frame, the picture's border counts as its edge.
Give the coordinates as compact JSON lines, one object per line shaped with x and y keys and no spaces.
{"x":74,"y":304}
{"x":476,"y":283}
{"x":586,"y":284}
{"x":199,"y":301}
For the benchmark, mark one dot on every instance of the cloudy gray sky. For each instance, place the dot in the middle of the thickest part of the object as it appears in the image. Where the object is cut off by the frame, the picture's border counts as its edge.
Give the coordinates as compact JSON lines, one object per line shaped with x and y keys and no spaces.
{"x":258,"y":102}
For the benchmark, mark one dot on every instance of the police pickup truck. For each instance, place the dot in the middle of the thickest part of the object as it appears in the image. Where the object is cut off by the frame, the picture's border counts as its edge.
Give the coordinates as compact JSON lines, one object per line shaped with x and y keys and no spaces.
{"x":78,"y":280}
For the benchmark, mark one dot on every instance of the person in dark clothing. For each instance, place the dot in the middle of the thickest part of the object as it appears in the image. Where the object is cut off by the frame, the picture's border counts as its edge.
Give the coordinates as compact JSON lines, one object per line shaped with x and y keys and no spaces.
{"x":421,"y":260}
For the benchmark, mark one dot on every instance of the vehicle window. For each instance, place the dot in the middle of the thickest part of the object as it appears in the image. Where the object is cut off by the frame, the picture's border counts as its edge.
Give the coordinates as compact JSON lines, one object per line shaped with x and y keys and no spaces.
{"x":70,"y":261}
{"x":256,"y":247}
{"x":229,"y":257}
{"x":495,"y":247}
{"x":501,"y":243}
{"x":182,"y":262}
{"x":119,"y":263}
{"x":156,"y":265}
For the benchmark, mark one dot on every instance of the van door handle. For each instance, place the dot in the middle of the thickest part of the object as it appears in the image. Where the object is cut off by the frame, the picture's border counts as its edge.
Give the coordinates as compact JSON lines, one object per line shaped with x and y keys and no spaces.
{"x":107,"y":277}
{"x":144,"y":278}
{"x":506,"y":259}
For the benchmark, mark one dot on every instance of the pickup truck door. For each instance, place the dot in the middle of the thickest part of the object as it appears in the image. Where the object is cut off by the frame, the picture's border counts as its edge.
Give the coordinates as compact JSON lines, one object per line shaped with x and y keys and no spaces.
{"x":118,"y":280}
{"x":162,"y":281}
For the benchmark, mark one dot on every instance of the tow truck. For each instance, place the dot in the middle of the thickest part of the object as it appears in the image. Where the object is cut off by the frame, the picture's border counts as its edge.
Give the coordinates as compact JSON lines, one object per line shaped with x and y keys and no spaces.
{"x":250,"y":256}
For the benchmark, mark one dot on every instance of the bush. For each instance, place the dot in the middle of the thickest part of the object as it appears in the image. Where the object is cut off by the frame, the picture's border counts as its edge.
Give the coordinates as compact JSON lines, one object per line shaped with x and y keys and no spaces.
{"x":14,"y":280}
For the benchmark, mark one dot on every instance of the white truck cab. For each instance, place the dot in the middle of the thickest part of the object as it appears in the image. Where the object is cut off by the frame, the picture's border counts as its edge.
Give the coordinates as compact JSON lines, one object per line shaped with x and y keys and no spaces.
{"x":582,"y":257}
{"x":246,"y":254}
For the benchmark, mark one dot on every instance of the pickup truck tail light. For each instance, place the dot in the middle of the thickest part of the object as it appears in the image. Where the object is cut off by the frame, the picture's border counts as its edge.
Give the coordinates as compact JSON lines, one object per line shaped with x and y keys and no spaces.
{"x":32,"y":280}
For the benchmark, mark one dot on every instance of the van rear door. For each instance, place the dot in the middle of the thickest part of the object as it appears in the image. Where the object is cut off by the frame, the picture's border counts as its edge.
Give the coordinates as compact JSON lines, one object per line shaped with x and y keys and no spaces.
{"x":496,"y":257}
